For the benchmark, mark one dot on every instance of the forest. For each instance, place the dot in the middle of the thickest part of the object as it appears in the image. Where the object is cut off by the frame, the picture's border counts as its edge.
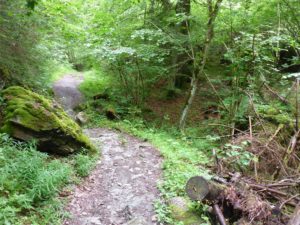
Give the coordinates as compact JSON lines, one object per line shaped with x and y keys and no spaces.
{"x":140,"y":112}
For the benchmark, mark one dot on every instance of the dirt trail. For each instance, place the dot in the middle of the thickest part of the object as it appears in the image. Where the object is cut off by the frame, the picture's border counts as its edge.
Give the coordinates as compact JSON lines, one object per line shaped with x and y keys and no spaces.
{"x":66,"y":91}
{"x":123,"y":187}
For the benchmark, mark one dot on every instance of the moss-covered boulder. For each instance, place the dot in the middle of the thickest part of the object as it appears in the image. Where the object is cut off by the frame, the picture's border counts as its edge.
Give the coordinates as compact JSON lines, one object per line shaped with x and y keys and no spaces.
{"x":28,"y":115}
{"x":181,"y":211}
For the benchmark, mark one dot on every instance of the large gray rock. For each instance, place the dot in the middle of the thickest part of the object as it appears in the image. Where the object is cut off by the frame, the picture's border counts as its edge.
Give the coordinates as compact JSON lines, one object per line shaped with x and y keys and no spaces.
{"x":28,"y":116}
{"x":81,"y":118}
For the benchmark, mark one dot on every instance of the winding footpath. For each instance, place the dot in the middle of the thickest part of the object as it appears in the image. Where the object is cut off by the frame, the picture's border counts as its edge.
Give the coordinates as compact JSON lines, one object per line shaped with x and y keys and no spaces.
{"x":123,"y":187}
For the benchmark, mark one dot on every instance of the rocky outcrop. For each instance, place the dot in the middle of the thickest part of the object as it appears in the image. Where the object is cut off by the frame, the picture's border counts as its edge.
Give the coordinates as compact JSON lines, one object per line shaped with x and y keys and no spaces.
{"x":81,"y":118}
{"x":28,"y":116}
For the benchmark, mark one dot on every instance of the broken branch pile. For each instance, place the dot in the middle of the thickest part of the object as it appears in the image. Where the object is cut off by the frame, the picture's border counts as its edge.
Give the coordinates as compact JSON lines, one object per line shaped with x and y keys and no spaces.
{"x":237,"y":200}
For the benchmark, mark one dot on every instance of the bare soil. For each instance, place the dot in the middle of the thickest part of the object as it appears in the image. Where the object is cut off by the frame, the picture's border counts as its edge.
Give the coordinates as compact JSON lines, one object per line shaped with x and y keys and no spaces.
{"x":122,"y":188}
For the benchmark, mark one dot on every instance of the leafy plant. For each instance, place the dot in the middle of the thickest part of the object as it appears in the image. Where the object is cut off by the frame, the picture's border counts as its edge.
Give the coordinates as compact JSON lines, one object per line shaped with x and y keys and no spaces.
{"x":28,"y":179}
{"x":236,"y":156}
{"x":84,"y":164}
{"x":31,"y":180}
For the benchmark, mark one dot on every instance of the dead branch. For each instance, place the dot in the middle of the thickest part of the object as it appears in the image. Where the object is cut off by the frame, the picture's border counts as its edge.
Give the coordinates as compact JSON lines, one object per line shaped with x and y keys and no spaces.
{"x":282,"y":99}
{"x":255,"y":111}
{"x":219,"y":214}
{"x":291,"y":147}
{"x":274,"y":135}
{"x":288,"y":200}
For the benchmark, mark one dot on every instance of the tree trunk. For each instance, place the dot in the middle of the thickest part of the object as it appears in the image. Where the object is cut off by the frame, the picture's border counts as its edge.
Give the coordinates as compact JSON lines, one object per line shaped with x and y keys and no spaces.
{"x":182,"y":59}
{"x":213,"y":12}
{"x":184,"y":7}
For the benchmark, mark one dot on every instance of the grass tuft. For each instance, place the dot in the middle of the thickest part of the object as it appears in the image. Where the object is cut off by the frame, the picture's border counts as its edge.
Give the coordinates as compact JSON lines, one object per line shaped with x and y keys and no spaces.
{"x":31,"y":181}
{"x":84,"y":164}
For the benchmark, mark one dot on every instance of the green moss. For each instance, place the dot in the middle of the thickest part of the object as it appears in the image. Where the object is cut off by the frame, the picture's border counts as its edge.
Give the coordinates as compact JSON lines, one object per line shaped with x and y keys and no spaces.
{"x":38,"y":114}
{"x":279,"y":115}
{"x":272,"y":111}
{"x":186,"y":216}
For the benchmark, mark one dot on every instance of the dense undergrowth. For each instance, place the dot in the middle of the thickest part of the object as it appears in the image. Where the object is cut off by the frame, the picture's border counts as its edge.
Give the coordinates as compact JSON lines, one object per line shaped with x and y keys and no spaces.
{"x":186,"y":154}
{"x":31,"y":182}
{"x":242,"y":56}
{"x":190,"y":153}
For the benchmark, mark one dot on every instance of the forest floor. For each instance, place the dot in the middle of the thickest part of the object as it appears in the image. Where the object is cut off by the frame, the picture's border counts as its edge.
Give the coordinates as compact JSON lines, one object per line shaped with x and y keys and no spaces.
{"x":122,"y":188}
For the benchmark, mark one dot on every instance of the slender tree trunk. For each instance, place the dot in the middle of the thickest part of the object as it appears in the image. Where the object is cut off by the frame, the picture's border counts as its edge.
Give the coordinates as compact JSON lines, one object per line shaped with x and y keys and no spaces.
{"x":140,"y":84}
{"x":183,"y":72}
{"x":194,"y":87}
{"x":278,"y":32}
{"x":213,"y":12}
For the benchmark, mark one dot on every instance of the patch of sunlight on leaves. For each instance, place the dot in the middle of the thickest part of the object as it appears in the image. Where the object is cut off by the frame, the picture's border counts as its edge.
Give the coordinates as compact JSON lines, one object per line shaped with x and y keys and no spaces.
{"x":95,"y":82}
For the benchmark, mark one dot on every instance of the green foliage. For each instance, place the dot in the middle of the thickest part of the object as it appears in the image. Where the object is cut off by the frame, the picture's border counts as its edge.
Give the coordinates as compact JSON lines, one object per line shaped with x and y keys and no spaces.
{"x":238,"y":106}
{"x":104,"y":94}
{"x":19,"y":56}
{"x":96,"y":82}
{"x":163,"y":212}
{"x":171,"y":93}
{"x":236,"y":156}
{"x":31,"y":4}
{"x":51,"y":73}
{"x":84,"y":164}
{"x":29,"y":181}
{"x":135,"y":48}
{"x":276,"y":113}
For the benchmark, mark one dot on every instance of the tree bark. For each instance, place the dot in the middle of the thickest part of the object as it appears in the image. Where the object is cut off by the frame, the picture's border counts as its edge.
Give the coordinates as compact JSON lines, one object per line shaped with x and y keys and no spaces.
{"x":213,"y":13}
{"x":183,"y":70}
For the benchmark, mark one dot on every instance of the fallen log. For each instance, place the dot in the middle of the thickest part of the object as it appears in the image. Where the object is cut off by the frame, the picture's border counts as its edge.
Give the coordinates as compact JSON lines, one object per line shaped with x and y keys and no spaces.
{"x":200,"y":189}
{"x":234,"y":199}
{"x":219,"y":214}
